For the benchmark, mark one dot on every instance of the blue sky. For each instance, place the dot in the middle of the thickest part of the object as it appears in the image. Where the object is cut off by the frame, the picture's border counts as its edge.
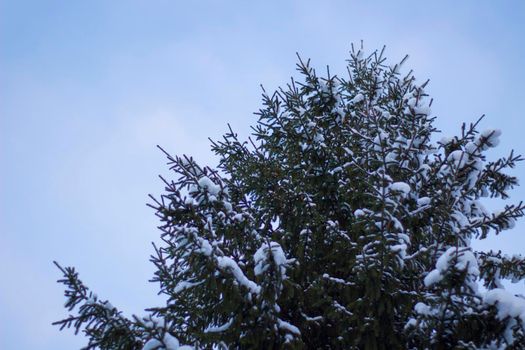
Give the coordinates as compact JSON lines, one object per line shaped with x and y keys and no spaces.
{"x":88,"y":88}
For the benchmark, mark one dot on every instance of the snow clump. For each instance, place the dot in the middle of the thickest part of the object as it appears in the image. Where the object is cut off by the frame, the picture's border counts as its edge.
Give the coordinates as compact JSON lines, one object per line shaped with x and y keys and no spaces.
{"x":465,"y":260}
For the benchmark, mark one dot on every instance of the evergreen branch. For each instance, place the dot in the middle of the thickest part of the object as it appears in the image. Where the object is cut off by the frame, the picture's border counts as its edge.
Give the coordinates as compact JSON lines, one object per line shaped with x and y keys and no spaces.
{"x":104,"y":325}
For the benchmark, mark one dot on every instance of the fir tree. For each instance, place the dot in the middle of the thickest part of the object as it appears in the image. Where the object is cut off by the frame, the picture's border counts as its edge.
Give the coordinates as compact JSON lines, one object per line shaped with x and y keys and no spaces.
{"x":340,"y":224}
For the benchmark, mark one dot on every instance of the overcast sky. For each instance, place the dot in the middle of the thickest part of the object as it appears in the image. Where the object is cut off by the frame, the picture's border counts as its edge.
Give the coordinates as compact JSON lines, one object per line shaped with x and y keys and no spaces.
{"x":88,"y":88}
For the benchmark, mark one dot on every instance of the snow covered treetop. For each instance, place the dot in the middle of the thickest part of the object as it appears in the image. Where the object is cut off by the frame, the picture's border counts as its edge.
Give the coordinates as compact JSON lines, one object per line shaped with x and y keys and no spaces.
{"x":339,"y":223}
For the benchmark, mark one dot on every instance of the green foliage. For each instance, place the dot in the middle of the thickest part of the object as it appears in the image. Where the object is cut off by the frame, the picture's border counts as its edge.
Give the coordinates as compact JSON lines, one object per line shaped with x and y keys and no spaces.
{"x":340,"y":224}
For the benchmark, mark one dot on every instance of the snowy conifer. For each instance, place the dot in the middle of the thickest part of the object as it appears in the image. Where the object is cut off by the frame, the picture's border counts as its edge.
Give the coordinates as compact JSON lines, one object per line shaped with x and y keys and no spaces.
{"x":340,"y":224}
